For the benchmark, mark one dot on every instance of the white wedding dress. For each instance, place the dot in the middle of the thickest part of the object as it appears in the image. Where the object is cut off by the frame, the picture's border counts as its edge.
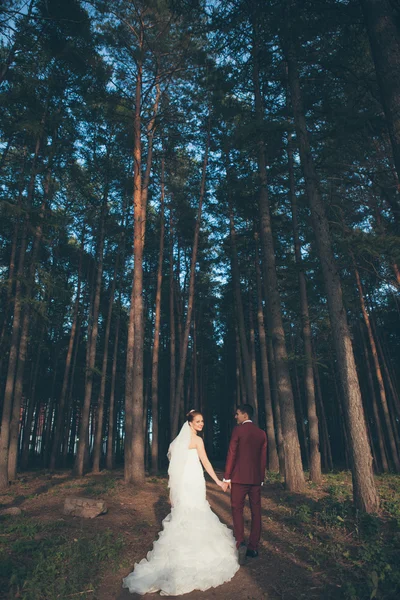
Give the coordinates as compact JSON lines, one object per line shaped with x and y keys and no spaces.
{"x":194,"y":551}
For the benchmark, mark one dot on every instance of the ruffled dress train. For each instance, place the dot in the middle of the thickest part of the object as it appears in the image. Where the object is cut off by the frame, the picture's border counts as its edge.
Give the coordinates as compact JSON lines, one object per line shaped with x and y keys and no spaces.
{"x":194,"y":550}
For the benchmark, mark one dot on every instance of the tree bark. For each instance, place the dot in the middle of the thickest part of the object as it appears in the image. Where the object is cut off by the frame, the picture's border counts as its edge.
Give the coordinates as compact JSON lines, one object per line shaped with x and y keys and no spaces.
{"x":246,"y":362}
{"x":110,"y":458}
{"x":323,"y":420}
{"x":377,"y":418}
{"x":273,"y":461}
{"x":294,"y":475}
{"x":378,"y":372}
{"x":92,"y":342}
{"x":17,"y":322}
{"x":98,"y":442}
{"x":136,"y":471}
{"x":364,"y":488}
{"x":253,"y":361}
{"x":172,"y":380}
{"x":184,"y":348}
{"x":383,"y":34}
{"x":156,"y":342}
{"x":68,"y":363}
{"x":315,"y":457}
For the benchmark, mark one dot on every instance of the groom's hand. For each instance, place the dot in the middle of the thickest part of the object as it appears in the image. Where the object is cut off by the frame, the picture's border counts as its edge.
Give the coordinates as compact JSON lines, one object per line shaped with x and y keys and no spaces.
{"x":224,"y":486}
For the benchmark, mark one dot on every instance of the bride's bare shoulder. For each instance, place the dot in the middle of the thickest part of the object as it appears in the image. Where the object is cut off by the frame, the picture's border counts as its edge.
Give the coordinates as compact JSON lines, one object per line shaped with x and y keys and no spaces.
{"x":196,"y":443}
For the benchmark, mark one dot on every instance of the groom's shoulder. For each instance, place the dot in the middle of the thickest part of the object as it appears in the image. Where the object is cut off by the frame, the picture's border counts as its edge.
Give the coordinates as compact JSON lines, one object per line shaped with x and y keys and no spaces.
{"x":258,"y":430}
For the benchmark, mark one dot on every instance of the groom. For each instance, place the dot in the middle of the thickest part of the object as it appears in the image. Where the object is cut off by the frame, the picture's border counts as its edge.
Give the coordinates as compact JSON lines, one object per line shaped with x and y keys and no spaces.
{"x":244,"y":474}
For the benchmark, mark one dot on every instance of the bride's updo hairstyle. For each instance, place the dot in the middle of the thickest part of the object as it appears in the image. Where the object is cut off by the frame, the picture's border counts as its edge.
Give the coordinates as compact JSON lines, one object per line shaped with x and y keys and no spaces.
{"x":192,"y":414}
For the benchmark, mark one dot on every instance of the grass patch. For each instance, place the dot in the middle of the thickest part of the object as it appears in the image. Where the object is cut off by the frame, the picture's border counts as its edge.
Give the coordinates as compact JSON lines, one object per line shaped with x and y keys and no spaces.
{"x":48,"y":561}
{"x":99,"y":487}
{"x":361,"y":551}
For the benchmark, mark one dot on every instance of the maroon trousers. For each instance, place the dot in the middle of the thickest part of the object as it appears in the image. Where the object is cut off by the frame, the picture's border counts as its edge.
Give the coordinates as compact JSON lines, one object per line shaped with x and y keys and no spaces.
{"x":238,"y":496}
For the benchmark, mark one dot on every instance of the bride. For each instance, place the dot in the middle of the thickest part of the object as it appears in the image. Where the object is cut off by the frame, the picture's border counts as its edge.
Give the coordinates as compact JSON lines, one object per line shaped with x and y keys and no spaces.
{"x":194,"y":551}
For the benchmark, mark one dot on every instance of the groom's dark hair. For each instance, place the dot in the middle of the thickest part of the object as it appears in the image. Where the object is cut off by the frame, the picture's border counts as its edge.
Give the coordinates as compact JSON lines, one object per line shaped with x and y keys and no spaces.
{"x":246,"y":408}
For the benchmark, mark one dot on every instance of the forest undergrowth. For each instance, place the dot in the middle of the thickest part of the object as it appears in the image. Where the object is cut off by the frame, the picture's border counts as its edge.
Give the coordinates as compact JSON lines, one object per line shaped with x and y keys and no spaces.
{"x":47,"y":556}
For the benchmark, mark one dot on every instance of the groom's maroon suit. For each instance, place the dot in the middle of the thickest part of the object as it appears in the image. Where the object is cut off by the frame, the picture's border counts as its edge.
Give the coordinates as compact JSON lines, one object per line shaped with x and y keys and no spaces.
{"x":245,"y":468}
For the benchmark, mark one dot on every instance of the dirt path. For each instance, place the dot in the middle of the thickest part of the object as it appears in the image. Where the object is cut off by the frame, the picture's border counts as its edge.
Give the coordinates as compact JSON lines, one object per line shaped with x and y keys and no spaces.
{"x":280,"y":572}
{"x":286,"y":568}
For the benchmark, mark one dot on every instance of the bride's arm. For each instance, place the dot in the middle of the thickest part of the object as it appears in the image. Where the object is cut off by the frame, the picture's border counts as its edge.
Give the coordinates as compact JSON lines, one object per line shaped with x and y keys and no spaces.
{"x":205,"y":462}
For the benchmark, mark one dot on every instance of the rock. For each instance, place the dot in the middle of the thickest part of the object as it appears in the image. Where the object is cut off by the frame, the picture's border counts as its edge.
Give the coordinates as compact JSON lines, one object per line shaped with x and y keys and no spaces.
{"x":84,"y":507}
{"x":13,"y":510}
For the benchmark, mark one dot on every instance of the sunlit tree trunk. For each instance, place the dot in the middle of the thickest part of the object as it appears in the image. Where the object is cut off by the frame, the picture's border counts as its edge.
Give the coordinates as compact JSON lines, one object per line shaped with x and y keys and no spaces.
{"x":135,"y":469}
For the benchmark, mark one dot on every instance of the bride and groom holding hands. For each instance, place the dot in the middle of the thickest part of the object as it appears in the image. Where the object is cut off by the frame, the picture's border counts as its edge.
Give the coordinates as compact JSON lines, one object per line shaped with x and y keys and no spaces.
{"x":194,"y":550}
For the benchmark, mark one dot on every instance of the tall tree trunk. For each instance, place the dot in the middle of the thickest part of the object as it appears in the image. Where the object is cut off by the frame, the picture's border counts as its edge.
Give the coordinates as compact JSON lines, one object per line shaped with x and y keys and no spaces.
{"x":390,"y":380}
{"x":247,"y":373}
{"x":294,"y":475}
{"x":172,"y":379}
{"x":275,"y":399}
{"x":383,"y":34}
{"x":100,"y":402}
{"x":19,"y":379}
{"x":324,"y":423}
{"x":156,"y":342}
{"x":98,"y":442}
{"x":299,"y":408}
{"x":29,"y":416}
{"x":241,"y":396}
{"x":378,"y":372}
{"x":92,"y":341}
{"x":12,"y":266}
{"x":184,"y":348}
{"x":136,"y":472}
{"x":68,"y":362}
{"x":253,"y":360}
{"x":110,"y":458}
{"x":364,"y":488}
{"x":17,"y":322}
{"x":377,"y":418}
{"x":315,"y":457}
{"x":273,"y":461}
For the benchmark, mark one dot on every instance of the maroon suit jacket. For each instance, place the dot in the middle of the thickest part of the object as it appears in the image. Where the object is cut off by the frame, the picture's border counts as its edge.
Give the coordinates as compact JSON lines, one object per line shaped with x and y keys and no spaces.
{"x":247,"y":455}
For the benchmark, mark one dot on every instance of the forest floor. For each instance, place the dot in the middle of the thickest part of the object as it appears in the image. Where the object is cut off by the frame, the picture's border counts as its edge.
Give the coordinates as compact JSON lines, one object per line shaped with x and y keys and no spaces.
{"x":313,"y":544}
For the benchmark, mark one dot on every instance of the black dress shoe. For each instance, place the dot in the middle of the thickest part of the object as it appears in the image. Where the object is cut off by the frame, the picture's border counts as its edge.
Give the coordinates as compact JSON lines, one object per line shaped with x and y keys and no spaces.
{"x":252,"y":553}
{"x":242,"y":550}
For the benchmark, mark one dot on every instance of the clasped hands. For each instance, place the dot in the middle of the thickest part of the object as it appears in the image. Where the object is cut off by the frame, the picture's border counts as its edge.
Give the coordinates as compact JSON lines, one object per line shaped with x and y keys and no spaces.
{"x":224,"y":485}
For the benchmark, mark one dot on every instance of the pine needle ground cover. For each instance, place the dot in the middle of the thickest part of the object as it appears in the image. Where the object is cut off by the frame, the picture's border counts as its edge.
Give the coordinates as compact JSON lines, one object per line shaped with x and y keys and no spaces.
{"x":314,"y":545}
